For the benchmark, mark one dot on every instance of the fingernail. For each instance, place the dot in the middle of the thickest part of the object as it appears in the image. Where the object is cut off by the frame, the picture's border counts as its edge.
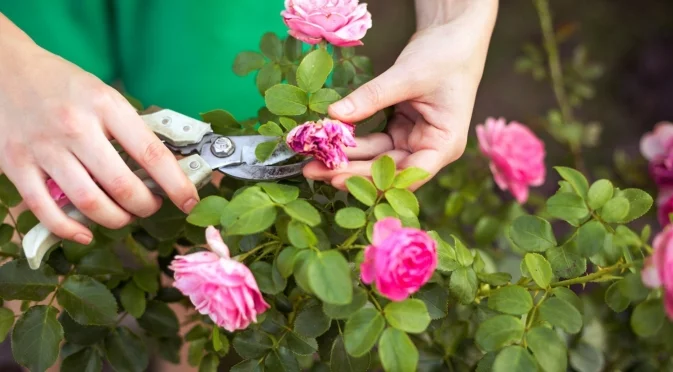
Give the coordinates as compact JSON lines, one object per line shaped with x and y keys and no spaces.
{"x":83,"y":238}
{"x":187,"y":207}
{"x":344,"y":107}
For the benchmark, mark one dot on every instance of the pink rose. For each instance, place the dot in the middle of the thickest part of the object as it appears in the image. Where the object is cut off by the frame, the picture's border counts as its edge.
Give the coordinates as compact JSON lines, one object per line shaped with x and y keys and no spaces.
{"x":341,"y":22}
{"x":56,"y":193}
{"x":323,"y":140}
{"x":657,"y":143}
{"x":400,"y":260}
{"x":665,"y":205}
{"x":661,"y":170}
{"x":516,"y":154}
{"x":218,"y":286}
{"x":658,"y":269}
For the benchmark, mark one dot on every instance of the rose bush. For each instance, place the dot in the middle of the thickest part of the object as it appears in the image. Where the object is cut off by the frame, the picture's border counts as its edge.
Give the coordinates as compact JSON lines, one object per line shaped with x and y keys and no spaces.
{"x":296,"y":275}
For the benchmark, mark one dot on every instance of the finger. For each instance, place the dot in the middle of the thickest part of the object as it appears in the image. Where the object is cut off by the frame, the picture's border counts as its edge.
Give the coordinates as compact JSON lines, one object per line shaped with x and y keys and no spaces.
{"x":389,"y":88}
{"x":76,"y":183}
{"x":429,"y":160}
{"x":317,"y":171}
{"x":150,"y":153}
{"x":369,"y":146}
{"x":102,"y":160}
{"x":31,"y":184}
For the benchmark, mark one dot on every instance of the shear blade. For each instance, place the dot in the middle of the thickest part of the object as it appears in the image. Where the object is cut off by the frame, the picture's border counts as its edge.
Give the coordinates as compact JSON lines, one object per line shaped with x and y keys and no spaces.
{"x":265,"y":172}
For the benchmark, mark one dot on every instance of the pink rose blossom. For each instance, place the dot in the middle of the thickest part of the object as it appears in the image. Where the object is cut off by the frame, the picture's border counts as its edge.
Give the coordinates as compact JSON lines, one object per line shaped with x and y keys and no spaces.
{"x":665,"y":205}
{"x":400,"y":259}
{"x":323,"y":140}
{"x":516,"y":155}
{"x":56,"y":193}
{"x":657,"y":143}
{"x":218,"y":286}
{"x":341,"y":22}
{"x":658,"y":270}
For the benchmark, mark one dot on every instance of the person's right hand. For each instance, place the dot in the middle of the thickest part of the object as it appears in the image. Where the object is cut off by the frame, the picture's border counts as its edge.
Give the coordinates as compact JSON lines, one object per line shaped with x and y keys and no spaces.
{"x":56,"y":121}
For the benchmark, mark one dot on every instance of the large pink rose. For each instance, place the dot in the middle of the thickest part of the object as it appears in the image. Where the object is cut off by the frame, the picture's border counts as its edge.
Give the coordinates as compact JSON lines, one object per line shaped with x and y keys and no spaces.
{"x":400,"y":259}
{"x":516,"y":154}
{"x":658,"y":270}
{"x":323,"y":140}
{"x":341,"y":22}
{"x":56,"y":193}
{"x":218,"y":286}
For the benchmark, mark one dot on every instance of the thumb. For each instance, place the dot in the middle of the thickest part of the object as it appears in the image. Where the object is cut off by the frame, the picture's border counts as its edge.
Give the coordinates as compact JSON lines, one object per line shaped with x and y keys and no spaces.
{"x":389,"y":88}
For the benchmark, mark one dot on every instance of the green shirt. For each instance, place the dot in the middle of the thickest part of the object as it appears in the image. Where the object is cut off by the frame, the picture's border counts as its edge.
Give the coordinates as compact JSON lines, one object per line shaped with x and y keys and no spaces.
{"x":175,"y":54}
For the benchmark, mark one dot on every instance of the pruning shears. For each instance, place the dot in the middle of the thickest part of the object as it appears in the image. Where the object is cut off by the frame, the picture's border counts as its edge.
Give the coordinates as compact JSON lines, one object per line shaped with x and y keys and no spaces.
{"x":205,"y":152}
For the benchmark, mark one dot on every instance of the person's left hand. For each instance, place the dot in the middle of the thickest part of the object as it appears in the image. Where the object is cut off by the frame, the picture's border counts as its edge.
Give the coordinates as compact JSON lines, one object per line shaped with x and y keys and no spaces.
{"x":433,"y":85}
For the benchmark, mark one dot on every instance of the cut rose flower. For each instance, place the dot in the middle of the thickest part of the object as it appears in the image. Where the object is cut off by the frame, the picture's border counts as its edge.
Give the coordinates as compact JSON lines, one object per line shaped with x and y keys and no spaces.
{"x":341,"y":22}
{"x":323,"y":140}
{"x":218,"y":286}
{"x":516,"y":155}
{"x":56,"y":193}
{"x":658,"y":269}
{"x":400,"y":260}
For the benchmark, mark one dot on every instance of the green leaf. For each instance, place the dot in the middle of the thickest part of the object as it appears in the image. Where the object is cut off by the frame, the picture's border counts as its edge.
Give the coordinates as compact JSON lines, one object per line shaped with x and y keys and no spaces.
{"x":463,"y":255}
{"x":36,"y":338}
{"x":445,"y":253}
{"x":341,"y":361}
{"x":252,"y":343}
{"x":383,"y":210}
{"x":301,"y":345}
{"x":220,"y":120}
{"x":568,"y":207}
{"x":125,"y":351}
{"x":514,"y":359}
{"x":6,"y":322}
{"x":133,"y":300}
{"x":590,"y":238}
{"x":587,"y":358}
{"x":303,"y":211}
{"x":495,"y":279}
{"x":322,"y":99}
{"x":301,"y":266}
{"x":250,"y":212}
{"x":74,"y":251}
{"x":362,"y":189}
{"x":196,"y":351}
{"x":3,"y":212}
{"x":615,"y":209}
{"x":79,"y":334}
{"x":403,"y":201}
{"x":313,"y":70}
{"x":270,"y":280}
{"x":286,"y":100}
{"x":362,"y":331}
{"x":159,"y":319}
{"x":532,"y":234}
{"x":436,"y":299}
{"x":566,"y":262}
{"x":351,"y":218}
{"x":209,"y":363}
{"x":285,"y":261}
{"x":9,"y":195}
{"x":281,"y":360}
{"x":648,"y":317}
{"x":87,"y":301}
{"x":514,"y":300}
{"x":330,"y":277}
{"x":569,"y":296}
{"x":615,"y":299}
{"x":300,"y":235}
{"x":208,"y":211}
{"x":363,"y":63}
{"x":463,"y":285}
{"x":599,"y":193}
{"x":270,"y":129}
{"x":287,"y":123}
{"x":264,"y":150}
{"x":147,"y":279}
{"x":85,"y":360}
{"x":409,"y":176}
{"x":343,"y":74}
{"x":633,"y":288}
{"x":499,"y":331}
{"x":292,"y":48}
{"x":548,"y":348}
{"x":220,"y":341}
{"x":562,"y":314}
{"x":639,"y":203}
{"x":248,"y":366}
{"x":576,"y":179}
{"x":312,"y":322}
{"x":281,"y":194}
{"x":26,"y":221}
{"x":247,"y":62}
{"x":6,"y":233}
{"x":487,"y":229}
{"x":100,"y":262}
{"x":397,"y":352}
{"x":410,"y":315}
{"x":383,"y":172}
{"x":345,"y":311}
{"x":271,"y":46}
{"x":539,"y":269}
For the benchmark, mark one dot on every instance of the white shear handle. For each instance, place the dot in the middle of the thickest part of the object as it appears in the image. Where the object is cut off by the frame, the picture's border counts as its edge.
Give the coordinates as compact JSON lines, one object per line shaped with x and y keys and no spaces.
{"x":37,"y":242}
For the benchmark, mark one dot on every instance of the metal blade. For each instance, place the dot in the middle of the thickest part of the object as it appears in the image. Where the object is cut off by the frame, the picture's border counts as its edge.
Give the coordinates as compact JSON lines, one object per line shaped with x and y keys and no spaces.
{"x":265,"y":172}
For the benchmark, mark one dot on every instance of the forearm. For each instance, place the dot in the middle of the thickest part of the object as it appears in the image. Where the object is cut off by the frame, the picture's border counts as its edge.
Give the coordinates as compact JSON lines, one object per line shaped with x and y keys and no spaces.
{"x":432,"y":13}
{"x":10,"y":33}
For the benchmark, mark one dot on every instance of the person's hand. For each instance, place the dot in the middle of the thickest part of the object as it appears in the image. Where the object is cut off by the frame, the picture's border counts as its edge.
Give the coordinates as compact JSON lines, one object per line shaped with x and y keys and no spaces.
{"x":433,"y":84}
{"x":56,"y":121}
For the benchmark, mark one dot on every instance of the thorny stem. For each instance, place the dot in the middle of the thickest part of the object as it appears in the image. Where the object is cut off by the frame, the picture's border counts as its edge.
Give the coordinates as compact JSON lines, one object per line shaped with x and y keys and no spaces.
{"x":245,"y":255}
{"x":11,"y":216}
{"x":533,"y":312}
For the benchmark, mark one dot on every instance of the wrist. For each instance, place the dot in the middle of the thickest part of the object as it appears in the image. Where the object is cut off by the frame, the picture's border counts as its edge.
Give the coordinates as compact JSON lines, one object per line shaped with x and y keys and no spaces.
{"x":434,"y":13}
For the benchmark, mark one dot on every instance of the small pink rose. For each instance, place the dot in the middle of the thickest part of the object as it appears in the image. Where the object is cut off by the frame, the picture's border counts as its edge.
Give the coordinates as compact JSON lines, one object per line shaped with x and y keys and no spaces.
{"x":516,"y":155}
{"x":341,"y":22}
{"x":657,"y":143}
{"x":218,"y":286}
{"x":400,"y":260}
{"x":56,"y":193}
{"x":658,"y":269}
{"x":323,"y":140}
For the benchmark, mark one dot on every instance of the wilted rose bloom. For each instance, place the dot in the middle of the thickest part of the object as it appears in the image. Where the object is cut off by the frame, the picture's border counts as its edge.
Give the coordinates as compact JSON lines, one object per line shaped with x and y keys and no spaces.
{"x":658,"y":270}
{"x":323,"y":140}
{"x":56,"y":193}
{"x":341,"y":22}
{"x":218,"y":286}
{"x":516,"y":155}
{"x":400,"y":259}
